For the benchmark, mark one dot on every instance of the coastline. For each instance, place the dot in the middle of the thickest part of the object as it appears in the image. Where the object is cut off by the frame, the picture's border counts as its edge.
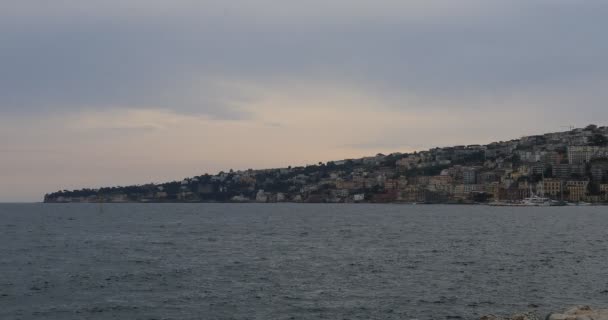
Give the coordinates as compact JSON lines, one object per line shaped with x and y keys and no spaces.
{"x":292,"y":202}
{"x":554,"y":168}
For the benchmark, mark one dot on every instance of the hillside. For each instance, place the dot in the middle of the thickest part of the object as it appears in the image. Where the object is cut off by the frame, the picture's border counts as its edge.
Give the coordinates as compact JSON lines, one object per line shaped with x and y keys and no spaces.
{"x":570,"y":165}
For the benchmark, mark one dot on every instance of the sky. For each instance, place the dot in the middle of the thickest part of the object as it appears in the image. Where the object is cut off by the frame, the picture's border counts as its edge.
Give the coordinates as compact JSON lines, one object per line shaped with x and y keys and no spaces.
{"x":119,"y":92}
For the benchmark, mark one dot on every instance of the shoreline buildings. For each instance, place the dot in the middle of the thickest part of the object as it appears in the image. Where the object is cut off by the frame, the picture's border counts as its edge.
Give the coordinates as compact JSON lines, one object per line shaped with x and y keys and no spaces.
{"x":569,"y":166}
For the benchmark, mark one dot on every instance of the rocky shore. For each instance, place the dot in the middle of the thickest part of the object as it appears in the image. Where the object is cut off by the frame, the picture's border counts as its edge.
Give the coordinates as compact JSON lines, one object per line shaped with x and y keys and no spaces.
{"x":574,"y":313}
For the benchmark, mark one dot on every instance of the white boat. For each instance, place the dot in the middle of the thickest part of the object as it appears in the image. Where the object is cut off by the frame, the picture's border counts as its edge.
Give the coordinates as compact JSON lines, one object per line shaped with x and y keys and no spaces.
{"x":536,"y":201}
{"x":539,"y":201}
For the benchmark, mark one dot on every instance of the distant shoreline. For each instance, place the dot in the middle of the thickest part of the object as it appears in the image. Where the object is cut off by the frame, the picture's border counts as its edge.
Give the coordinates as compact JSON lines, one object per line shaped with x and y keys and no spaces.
{"x":305,"y":203}
{"x":541,"y":170}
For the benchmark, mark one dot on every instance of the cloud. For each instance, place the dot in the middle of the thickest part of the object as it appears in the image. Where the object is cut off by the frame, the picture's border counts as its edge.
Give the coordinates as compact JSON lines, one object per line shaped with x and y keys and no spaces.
{"x":336,"y":10}
{"x":218,"y":84}
{"x":177,"y":55}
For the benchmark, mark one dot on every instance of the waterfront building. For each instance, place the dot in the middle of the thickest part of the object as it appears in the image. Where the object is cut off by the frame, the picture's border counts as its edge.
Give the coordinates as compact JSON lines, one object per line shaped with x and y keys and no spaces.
{"x":552,"y":187}
{"x":577,"y":190}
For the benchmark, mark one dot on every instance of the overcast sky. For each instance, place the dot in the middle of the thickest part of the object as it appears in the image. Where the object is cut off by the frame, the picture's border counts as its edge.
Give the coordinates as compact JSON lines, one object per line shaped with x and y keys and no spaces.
{"x":115,"y":92}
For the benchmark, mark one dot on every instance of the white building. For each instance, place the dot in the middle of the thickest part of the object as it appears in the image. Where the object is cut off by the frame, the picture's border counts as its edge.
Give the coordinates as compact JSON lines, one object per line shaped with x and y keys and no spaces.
{"x":261,"y":196}
{"x":584,"y":154}
{"x":359,"y":197}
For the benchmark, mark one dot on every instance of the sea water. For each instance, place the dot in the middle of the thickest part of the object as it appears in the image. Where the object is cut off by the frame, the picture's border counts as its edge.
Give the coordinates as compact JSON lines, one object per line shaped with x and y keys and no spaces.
{"x":297,"y":261}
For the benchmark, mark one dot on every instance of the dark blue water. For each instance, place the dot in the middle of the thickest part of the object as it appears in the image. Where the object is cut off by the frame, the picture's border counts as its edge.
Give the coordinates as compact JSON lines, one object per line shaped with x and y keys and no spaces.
{"x":287,"y":261}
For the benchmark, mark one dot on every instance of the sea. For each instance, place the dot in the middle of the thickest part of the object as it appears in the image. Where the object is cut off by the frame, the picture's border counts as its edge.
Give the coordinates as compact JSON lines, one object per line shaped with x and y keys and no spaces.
{"x":298,"y":261}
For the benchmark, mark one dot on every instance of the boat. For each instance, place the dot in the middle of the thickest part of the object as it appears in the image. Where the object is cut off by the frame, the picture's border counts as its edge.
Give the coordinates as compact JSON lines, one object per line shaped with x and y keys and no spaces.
{"x":560,"y":203}
{"x":537,"y":201}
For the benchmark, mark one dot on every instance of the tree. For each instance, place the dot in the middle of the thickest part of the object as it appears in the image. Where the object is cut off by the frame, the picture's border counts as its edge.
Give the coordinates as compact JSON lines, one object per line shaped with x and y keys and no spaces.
{"x":516,"y":159}
{"x":548,"y":172}
{"x":594,"y":188}
{"x":591,"y":127}
{"x":599,"y":140}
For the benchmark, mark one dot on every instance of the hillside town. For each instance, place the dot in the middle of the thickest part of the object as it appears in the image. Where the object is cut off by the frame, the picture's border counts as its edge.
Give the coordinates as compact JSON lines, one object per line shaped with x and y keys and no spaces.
{"x":570,"y":166}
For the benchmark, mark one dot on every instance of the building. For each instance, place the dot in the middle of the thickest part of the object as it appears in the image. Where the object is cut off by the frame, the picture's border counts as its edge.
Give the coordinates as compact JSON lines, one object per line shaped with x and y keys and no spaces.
{"x":391,"y":184}
{"x":532,"y":140}
{"x":584,"y":154}
{"x":528,"y":156}
{"x":552,"y":158}
{"x":487,"y":177}
{"x":420,"y":180}
{"x":604,"y":191}
{"x":161,"y":195}
{"x":261,"y":196}
{"x":513,"y":193}
{"x":409,"y":162}
{"x":578,"y":140}
{"x":469,"y":175}
{"x":463,"y":191}
{"x":561,"y":171}
{"x":537,"y":168}
{"x":359,"y":197}
{"x":342,"y":193}
{"x":281,"y":197}
{"x":348,"y":184}
{"x":412,"y":193}
{"x":567,"y":171}
{"x":599,"y":171}
{"x":552,"y":188}
{"x":577,"y":190}
{"x":402,"y":182}
{"x":440,"y":180}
